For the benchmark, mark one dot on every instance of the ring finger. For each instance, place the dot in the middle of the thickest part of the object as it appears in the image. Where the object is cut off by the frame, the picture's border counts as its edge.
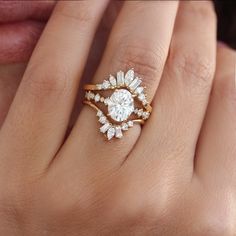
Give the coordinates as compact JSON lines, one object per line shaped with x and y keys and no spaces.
{"x":140,"y":39}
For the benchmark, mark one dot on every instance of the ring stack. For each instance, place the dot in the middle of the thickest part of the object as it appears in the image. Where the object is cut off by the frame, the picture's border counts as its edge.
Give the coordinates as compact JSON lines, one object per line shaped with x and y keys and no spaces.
{"x":125,"y":106}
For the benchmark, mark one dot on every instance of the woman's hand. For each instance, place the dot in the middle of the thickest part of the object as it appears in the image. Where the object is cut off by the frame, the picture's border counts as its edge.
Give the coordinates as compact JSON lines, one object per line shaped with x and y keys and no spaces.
{"x":176,"y":176}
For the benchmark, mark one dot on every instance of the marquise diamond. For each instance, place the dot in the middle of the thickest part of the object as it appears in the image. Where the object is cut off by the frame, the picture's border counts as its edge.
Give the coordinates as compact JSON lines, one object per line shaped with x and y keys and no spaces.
{"x":129,"y":77}
{"x":110,"y":133}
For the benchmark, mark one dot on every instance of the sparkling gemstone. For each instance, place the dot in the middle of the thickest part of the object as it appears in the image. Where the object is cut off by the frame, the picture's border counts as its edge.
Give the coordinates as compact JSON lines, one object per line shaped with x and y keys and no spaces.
{"x":102,"y":119}
{"x":135,"y":83}
{"x":97,"y":98}
{"x":118,"y":132}
{"x":112,"y":80}
{"x":141,"y":97}
{"x":139,"y":90}
{"x":106,"y":101}
{"x":110,"y":133}
{"x":105,"y":84}
{"x":136,"y":111}
{"x":120,"y":78}
{"x":124,"y":126}
{"x":90,"y":95}
{"x":140,"y":112}
{"x":121,"y":105}
{"x":146,"y":115}
{"x":130,"y":123}
{"x":105,"y":127}
{"x":99,"y":113}
{"x":129,"y":76}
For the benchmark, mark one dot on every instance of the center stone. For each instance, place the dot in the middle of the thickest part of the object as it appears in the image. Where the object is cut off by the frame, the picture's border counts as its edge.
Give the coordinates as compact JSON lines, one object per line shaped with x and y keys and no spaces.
{"x":121,"y":105}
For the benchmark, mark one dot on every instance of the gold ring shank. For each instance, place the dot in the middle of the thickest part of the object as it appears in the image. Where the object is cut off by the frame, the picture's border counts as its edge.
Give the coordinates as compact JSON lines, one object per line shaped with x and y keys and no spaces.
{"x":91,"y":87}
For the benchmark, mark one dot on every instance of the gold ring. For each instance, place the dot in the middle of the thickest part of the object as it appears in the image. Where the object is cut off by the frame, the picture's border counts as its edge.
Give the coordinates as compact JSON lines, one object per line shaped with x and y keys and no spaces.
{"x":126,"y":105}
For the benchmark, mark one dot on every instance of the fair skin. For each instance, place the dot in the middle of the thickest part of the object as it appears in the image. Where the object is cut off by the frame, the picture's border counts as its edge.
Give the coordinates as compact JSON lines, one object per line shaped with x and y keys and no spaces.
{"x":174,"y":176}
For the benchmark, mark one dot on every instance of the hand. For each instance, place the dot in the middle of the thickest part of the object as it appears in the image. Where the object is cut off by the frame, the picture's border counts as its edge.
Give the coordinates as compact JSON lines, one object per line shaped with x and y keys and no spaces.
{"x":175,"y":177}
{"x":14,"y":60}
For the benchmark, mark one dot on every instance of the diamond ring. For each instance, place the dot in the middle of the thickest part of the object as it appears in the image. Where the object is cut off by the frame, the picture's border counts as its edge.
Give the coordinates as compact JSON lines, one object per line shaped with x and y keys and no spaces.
{"x":127,"y":103}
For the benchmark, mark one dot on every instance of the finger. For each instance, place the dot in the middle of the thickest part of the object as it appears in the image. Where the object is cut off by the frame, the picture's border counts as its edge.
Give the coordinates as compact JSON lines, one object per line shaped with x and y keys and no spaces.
{"x":170,"y":136}
{"x":140,"y":39}
{"x":39,"y":116}
{"x":10,"y":78}
{"x":216,"y":153}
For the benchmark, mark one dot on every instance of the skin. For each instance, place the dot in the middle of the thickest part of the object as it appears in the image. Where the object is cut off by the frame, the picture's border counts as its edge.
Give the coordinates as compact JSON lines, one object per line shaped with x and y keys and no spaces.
{"x":176,"y":177}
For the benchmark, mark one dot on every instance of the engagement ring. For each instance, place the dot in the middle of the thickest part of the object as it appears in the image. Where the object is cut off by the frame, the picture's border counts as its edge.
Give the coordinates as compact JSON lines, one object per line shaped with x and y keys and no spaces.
{"x":127,"y":103}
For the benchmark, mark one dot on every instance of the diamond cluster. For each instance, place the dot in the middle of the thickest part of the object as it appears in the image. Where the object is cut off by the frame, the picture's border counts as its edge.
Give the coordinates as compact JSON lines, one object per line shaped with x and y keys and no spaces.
{"x":120,"y":104}
{"x":112,"y":130}
{"x":125,"y":80}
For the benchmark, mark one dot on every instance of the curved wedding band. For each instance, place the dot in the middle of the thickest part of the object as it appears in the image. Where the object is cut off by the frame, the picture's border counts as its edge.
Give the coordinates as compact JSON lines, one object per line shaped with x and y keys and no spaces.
{"x":126,"y":105}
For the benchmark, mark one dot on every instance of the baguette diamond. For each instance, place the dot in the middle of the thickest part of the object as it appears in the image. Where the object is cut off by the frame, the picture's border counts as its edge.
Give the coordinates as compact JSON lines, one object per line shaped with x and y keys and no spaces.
{"x":105,"y":127}
{"x":120,"y":78}
{"x":135,"y":83}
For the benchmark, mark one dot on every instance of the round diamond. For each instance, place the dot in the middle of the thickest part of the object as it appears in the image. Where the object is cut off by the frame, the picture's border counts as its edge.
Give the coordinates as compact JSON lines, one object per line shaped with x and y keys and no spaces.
{"x":121,"y":105}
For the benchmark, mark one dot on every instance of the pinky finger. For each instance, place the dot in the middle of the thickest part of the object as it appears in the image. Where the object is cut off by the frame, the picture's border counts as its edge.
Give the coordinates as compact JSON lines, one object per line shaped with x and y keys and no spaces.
{"x":217,"y":149}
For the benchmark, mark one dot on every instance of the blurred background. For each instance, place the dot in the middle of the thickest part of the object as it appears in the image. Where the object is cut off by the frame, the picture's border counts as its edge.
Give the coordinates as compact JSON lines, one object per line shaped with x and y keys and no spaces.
{"x":226,"y":12}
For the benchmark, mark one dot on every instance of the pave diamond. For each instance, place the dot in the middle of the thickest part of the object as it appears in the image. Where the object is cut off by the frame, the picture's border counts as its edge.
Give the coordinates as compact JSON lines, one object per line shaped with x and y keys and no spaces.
{"x":124,"y":126}
{"x":105,"y":84}
{"x":97,"y":98}
{"x":146,"y":115}
{"x":99,"y":113}
{"x":141,"y":97}
{"x":139,"y":90}
{"x":140,"y":112}
{"x":121,"y":105}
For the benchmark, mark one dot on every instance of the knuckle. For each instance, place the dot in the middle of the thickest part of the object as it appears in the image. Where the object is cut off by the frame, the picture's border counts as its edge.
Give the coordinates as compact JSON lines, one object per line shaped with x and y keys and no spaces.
{"x":224,"y":88}
{"x":140,"y":210}
{"x":195,"y":70}
{"x":202,"y":10}
{"x":214,"y":225}
{"x":147,"y":62}
{"x":46,"y":81}
{"x":74,"y":11}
